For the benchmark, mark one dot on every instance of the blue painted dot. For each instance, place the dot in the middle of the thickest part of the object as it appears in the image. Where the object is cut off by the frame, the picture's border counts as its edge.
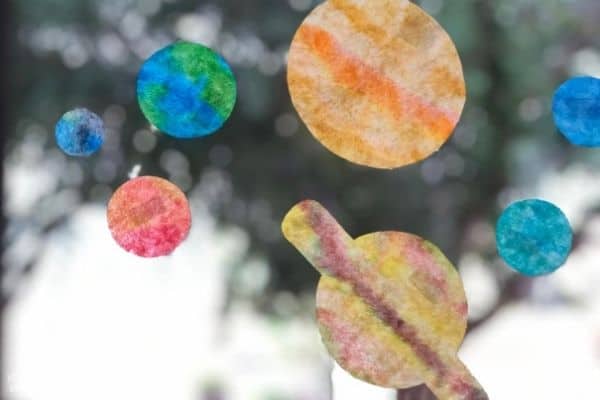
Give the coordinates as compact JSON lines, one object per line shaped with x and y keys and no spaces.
{"x":534,"y":237}
{"x":576,"y":109}
{"x":80,"y":133}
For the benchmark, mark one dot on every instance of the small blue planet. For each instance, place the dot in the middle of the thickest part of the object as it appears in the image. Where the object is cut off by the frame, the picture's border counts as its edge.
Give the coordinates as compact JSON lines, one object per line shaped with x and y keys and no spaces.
{"x":80,"y":133}
{"x":534,"y":237}
{"x":576,"y":109}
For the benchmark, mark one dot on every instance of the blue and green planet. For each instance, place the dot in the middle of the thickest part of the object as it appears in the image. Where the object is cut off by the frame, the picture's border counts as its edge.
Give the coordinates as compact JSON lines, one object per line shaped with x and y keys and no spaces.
{"x":186,"y":90}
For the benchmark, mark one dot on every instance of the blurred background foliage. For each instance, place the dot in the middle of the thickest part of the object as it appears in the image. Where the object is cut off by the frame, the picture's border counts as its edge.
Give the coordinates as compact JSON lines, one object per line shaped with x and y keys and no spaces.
{"x":70,"y":53}
{"x":86,"y":53}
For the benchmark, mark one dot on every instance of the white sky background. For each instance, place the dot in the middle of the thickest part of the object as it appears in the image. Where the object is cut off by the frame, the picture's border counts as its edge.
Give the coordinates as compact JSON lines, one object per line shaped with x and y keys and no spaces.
{"x":95,"y":322}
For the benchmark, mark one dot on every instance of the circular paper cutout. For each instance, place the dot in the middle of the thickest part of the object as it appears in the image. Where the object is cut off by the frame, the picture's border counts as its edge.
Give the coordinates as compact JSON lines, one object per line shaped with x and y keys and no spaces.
{"x":576,"y":109}
{"x":534,"y":237}
{"x":186,"y":90}
{"x":149,"y":216}
{"x":80,"y":133}
{"x":379,"y":83}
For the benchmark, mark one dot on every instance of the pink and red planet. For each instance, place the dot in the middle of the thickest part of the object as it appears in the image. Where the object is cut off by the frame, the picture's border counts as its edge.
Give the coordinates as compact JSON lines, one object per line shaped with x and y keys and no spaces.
{"x":149,"y":216}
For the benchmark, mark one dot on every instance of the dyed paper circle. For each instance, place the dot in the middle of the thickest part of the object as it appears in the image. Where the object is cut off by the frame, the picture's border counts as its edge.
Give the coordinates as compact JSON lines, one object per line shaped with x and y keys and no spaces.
{"x":379,"y":83}
{"x":149,"y":216}
{"x":186,"y":90}
{"x":534,"y":237}
{"x":576,"y":109}
{"x":391,"y":308}
{"x":80,"y":133}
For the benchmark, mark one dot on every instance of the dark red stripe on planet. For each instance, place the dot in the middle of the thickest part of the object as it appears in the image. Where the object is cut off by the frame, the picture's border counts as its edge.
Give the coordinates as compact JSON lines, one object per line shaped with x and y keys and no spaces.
{"x":335,"y":261}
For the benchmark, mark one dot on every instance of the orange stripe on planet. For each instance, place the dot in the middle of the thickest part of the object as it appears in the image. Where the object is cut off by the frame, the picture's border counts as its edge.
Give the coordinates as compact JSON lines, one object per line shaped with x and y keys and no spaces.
{"x":378,"y":83}
{"x":352,"y":72}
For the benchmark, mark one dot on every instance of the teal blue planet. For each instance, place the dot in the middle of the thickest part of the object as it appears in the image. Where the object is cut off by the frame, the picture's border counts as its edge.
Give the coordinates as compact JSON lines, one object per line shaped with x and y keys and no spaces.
{"x":534,"y":237}
{"x":186,"y":90}
{"x":576,"y":110}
